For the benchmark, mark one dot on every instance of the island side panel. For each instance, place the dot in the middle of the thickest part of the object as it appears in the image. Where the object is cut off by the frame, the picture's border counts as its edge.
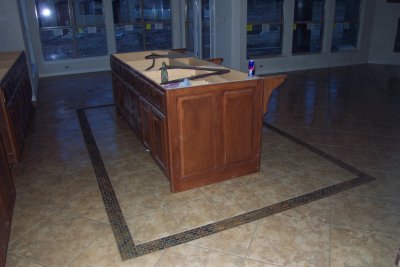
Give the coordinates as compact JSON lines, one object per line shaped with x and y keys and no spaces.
{"x":214,"y":132}
{"x":241,"y":119}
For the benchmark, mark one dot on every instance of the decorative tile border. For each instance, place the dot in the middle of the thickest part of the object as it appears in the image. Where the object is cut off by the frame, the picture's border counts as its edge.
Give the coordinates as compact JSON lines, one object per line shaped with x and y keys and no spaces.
{"x":123,"y":237}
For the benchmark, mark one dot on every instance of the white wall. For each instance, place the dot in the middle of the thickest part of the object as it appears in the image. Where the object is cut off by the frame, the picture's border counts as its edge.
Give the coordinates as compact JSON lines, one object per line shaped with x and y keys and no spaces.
{"x":231,"y":40}
{"x":10,"y":27}
{"x":384,"y":33}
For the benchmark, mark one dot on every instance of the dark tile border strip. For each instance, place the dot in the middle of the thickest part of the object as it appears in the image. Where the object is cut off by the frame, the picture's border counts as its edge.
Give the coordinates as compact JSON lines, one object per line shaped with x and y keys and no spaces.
{"x":123,"y":237}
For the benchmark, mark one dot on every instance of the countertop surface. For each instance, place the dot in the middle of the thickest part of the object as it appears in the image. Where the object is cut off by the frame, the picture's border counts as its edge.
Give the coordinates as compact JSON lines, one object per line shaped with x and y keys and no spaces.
{"x":7,"y":59}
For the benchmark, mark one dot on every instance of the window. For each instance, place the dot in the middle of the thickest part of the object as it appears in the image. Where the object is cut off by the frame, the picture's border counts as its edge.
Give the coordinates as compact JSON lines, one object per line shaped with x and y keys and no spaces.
{"x":205,"y":28}
{"x":71,"y":28}
{"x":142,"y":25}
{"x":264,"y":27}
{"x":189,"y":25}
{"x":197,"y":27}
{"x":347,"y":21}
{"x":397,"y":42}
{"x":308,"y":26}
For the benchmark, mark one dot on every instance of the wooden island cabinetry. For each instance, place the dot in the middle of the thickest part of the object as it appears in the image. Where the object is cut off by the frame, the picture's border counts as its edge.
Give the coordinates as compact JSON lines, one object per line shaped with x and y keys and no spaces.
{"x":200,"y":134}
{"x":7,"y":199}
{"x":15,"y":102}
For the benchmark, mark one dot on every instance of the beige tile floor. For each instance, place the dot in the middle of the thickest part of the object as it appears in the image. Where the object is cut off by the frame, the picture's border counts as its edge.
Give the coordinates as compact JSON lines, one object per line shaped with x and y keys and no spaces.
{"x":352,"y":113}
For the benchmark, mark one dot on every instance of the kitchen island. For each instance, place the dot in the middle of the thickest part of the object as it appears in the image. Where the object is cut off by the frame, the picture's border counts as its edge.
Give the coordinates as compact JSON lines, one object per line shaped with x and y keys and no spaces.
{"x":199,"y":134}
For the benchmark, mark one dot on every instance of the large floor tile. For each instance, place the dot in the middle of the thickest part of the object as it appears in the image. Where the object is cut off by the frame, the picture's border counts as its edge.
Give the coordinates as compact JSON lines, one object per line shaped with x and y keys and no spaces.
{"x":234,"y":241}
{"x":103,"y":252}
{"x":187,"y":255}
{"x":366,"y":213}
{"x":290,"y":242}
{"x":58,"y":240}
{"x":358,"y":248}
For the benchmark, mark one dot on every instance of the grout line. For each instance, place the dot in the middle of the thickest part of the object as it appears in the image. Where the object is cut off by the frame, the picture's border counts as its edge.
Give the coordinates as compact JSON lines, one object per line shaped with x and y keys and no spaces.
{"x":251,"y":241}
{"x":124,"y":239}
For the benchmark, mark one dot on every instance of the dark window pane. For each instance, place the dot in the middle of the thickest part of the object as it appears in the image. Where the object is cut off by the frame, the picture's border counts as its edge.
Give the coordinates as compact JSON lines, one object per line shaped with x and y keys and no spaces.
{"x":189,"y":10}
{"x":53,"y":13}
{"x":129,"y":38}
{"x":91,"y":41}
{"x":88,"y":13}
{"x":263,"y":11}
{"x":345,"y":31}
{"x":397,"y":42}
{"x":264,"y":27}
{"x":189,"y":37}
{"x":264,"y":39}
{"x":156,"y":10}
{"x":307,"y":38}
{"x":347,"y":10}
{"x":89,"y":7}
{"x":205,"y":16}
{"x":344,"y":36}
{"x":309,"y":10}
{"x":57,"y":43}
{"x":189,"y":25}
{"x":126,"y":11}
{"x":159,"y":36}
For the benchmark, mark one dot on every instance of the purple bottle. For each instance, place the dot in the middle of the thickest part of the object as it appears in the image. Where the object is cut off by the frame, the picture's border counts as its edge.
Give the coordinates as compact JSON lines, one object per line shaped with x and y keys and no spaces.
{"x":252,"y":68}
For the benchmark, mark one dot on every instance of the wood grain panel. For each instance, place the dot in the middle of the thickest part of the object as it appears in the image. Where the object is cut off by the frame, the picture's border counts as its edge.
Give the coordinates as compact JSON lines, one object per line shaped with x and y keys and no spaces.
{"x":238,"y":120}
{"x":196,"y":133}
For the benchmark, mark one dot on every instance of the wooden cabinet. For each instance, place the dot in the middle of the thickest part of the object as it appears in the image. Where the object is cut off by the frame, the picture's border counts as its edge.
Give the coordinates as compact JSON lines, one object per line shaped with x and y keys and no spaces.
{"x":15,"y":102}
{"x":199,"y":134}
{"x":158,"y":134}
{"x":7,"y":199}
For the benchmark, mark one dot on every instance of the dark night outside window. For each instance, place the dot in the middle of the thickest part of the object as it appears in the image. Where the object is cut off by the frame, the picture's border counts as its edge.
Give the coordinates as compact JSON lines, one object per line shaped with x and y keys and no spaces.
{"x":346,"y":24}
{"x":142,"y":25}
{"x":189,"y":25}
{"x":308,"y":26}
{"x":264,"y":27}
{"x":397,"y":42}
{"x":71,"y":28}
{"x":204,"y":27}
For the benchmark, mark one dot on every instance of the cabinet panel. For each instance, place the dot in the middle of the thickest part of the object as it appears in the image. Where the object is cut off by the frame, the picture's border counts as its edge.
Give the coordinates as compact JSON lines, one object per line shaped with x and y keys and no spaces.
{"x":7,"y":198}
{"x":15,"y":105}
{"x":196,"y":131}
{"x":145,"y":115}
{"x":159,"y":149}
{"x":239,"y":109}
{"x":117,"y":91}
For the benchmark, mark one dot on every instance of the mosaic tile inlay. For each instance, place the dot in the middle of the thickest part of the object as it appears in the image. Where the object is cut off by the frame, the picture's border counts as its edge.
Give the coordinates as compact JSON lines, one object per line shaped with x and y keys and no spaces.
{"x":123,"y":237}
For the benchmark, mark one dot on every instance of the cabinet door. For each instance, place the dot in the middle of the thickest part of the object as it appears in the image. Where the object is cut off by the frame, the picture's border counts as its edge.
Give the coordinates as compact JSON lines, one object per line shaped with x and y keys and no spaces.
{"x":240,"y":121}
{"x":195,"y":135}
{"x":117,"y":91}
{"x":159,"y":139}
{"x":135,"y":111}
{"x":145,"y":115}
{"x":7,"y":198}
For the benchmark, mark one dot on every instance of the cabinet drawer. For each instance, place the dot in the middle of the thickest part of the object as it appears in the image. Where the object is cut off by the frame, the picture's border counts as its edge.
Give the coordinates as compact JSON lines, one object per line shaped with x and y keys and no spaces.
{"x":154,"y":96}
